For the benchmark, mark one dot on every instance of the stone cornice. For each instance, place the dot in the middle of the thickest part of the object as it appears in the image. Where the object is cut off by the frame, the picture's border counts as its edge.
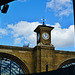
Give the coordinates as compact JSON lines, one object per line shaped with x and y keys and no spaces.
{"x":16,"y":48}
{"x":64,"y":52}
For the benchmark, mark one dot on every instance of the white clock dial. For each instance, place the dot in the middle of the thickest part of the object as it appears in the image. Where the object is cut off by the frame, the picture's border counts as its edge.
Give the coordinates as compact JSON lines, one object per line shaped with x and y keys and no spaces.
{"x":45,"y":36}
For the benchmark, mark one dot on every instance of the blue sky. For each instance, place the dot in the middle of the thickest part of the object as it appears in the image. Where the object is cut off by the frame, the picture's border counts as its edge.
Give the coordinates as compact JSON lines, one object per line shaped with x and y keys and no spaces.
{"x":23,"y":16}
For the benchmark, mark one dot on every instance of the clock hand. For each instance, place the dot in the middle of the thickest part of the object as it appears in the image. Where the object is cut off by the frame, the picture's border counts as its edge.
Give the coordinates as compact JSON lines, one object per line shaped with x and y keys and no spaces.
{"x":45,"y":34}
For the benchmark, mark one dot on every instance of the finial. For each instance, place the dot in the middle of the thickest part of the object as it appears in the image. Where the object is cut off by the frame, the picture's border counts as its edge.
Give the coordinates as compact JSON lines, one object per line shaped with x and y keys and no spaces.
{"x":43,"y":21}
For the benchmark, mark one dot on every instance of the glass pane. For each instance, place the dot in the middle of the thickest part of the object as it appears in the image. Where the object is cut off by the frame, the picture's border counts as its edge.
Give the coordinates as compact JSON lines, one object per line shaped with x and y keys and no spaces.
{"x":68,"y":65}
{"x":9,"y":67}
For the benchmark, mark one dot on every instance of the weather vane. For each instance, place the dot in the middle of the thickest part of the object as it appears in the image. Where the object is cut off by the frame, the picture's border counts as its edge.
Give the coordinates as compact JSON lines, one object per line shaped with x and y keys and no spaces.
{"x":43,"y":21}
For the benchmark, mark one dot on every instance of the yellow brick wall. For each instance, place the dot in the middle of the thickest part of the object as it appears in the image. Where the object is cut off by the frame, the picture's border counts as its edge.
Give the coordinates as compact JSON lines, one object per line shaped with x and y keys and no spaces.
{"x":36,"y":59}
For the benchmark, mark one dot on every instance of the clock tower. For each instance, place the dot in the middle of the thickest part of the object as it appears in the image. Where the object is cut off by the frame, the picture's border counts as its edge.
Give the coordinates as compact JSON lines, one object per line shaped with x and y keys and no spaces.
{"x":43,"y":34}
{"x":44,"y":49}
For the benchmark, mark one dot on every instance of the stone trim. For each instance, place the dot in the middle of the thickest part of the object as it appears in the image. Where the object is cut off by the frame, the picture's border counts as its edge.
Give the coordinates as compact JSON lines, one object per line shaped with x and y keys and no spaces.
{"x":15,"y":48}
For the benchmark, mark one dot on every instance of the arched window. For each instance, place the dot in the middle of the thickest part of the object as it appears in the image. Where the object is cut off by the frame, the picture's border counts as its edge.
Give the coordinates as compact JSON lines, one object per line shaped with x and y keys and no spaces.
{"x":9,"y":67}
{"x":68,"y":65}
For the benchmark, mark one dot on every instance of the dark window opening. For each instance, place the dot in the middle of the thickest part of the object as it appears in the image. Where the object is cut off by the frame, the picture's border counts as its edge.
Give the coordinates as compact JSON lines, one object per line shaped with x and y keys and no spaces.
{"x":46,"y":68}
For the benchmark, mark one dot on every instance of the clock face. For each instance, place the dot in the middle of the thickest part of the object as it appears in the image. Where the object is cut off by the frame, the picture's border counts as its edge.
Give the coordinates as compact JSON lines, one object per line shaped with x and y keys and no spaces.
{"x":45,"y":36}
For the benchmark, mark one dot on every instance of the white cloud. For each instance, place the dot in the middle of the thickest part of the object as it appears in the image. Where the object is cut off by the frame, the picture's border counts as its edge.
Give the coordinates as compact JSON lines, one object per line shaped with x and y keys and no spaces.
{"x":18,"y":40}
{"x":63,"y":37}
{"x":61,"y":7}
{"x":3,"y":31}
{"x":25,"y":30}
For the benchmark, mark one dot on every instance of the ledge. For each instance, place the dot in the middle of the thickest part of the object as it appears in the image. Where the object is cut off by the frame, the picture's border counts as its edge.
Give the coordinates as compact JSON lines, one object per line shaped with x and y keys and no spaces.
{"x":64,"y":52}
{"x":16,"y":48}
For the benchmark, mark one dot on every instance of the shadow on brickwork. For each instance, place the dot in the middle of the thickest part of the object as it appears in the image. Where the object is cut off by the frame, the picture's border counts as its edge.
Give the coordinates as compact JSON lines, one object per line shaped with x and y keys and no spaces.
{"x":62,"y":71}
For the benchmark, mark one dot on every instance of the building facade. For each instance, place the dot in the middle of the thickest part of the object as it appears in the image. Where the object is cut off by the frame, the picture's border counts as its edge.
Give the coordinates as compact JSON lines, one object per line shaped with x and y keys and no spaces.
{"x":41,"y":58}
